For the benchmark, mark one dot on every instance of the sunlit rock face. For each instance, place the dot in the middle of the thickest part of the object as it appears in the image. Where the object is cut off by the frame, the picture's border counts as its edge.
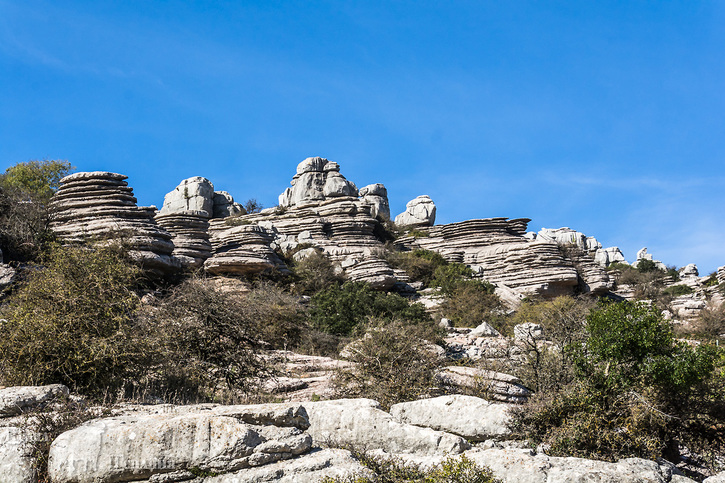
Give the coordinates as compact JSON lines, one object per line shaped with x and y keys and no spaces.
{"x":498,"y":251}
{"x":323,"y":210}
{"x":97,"y":206}
{"x":317,"y":179}
{"x":420,"y":211}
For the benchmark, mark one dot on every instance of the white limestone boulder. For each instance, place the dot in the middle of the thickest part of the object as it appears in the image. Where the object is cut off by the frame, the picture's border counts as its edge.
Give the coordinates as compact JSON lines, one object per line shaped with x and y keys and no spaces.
{"x":471,"y":417}
{"x":16,"y":459}
{"x":19,"y":399}
{"x":308,"y":468}
{"x":516,"y":465}
{"x":138,"y":447}
{"x":195,"y":194}
{"x":420,"y":211}
{"x":376,"y":196}
{"x":361,"y":423}
{"x":607,"y":256}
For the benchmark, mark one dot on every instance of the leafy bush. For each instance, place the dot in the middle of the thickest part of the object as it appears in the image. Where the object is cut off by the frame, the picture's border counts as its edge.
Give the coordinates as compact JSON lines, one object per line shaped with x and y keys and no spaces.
{"x":24,"y":193}
{"x":35,"y":180}
{"x":470,"y":302}
{"x":393,"y":470}
{"x":395,"y":362}
{"x":636,"y":392}
{"x":208,"y":337}
{"x":677,"y":290}
{"x":341,"y":309}
{"x":548,"y":368}
{"x":419,"y":265}
{"x":644,"y":265}
{"x":74,"y":323}
{"x":314,"y":273}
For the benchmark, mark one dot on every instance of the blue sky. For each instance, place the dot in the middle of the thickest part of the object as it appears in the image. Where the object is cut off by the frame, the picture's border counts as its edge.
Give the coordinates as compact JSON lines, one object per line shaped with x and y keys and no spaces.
{"x":607,"y":117}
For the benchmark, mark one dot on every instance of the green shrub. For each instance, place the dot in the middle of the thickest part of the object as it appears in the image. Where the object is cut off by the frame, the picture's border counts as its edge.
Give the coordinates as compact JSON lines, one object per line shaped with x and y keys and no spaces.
{"x":35,"y":180}
{"x":395,"y":362}
{"x":644,"y":265}
{"x":24,"y":193}
{"x":74,"y":323}
{"x":712,"y":280}
{"x":420,"y":265}
{"x":314,"y":273}
{"x":636,"y":392}
{"x":548,"y":368}
{"x":393,"y":470}
{"x":341,"y":309}
{"x":468,"y":303}
{"x":209,"y":337}
{"x":677,"y":290}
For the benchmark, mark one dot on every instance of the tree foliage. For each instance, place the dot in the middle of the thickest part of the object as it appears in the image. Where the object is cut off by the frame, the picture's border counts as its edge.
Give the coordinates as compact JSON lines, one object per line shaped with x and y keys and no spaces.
{"x":341,"y":309}
{"x":25,"y":190}
{"x":637,"y":391}
{"x":73,"y":323}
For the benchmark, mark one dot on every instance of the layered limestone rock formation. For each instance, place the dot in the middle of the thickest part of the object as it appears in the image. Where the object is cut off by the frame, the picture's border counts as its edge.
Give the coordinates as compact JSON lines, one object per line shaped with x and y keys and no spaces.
{"x":721,"y":274}
{"x":98,"y":206}
{"x":242,"y":248}
{"x":190,"y":234}
{"x":376,"y":196}
{"x":197,"y":194}
{"x":317,"y":179}
{"x":420,"y":211}
{"x":567,"y":237}
{"x":321,"y":210}
{"x":186,"y":213}
{"x":498,"y":251}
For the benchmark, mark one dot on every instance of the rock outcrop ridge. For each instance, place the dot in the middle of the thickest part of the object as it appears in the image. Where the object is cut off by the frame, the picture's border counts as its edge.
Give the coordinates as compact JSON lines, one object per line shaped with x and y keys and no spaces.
{"x":286,"y":442}
{"x":98,"y":206}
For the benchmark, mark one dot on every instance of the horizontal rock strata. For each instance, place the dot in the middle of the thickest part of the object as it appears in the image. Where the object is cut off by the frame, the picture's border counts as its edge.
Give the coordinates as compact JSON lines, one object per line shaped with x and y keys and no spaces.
{"x":97,"y":206}
{"x":498,"y":251}
{"x":190,"y":234}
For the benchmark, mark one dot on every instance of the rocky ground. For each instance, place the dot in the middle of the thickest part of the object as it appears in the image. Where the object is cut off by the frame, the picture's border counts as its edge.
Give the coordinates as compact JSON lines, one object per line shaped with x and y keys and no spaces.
{"x":287,"y":442}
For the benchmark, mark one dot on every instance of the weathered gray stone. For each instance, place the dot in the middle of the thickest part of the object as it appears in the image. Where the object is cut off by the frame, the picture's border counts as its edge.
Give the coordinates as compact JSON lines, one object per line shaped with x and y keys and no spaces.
{"x":501,"y":387}
{"x":192,"y":194}
{"x":484,"y":330}
{"x":376,"y":196}
{"x":473,"y":418}
{"x":137,"y":447}
{"x":19,"y":399}
{"x":98,"y":206}
{"x":418,"y":211}
{"x":360,"y":423}
{"x":7,"y":275}
{"x":309,"y":468}
{"x":16,"y":459}
{"x":528,"y":331}
{"x":517,"y":465}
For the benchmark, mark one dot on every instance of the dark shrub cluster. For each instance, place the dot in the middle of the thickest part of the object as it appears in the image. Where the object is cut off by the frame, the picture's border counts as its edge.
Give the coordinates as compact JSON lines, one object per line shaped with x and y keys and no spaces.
{"x":340,"y":310}
{"x":636,"y":391}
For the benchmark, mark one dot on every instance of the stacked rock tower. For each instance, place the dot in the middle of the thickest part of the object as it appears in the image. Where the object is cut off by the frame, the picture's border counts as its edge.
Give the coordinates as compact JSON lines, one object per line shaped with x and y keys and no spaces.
{"x":99,"y":206}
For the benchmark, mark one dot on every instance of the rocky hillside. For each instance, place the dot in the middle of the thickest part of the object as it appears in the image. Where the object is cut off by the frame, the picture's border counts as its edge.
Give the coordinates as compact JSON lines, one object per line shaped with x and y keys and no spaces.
{"x":325,"y":340}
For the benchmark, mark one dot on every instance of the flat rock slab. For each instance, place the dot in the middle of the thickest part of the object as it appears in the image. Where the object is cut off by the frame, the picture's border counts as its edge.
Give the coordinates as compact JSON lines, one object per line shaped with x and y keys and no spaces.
{"x":16,"y":462}
{"x":309,"y":468}
{"x":361,"y":423}
{"x":139,"y":447}
{"x":517,"y":465}
{"x":19,"y":399}
{"x":471,"y":417}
